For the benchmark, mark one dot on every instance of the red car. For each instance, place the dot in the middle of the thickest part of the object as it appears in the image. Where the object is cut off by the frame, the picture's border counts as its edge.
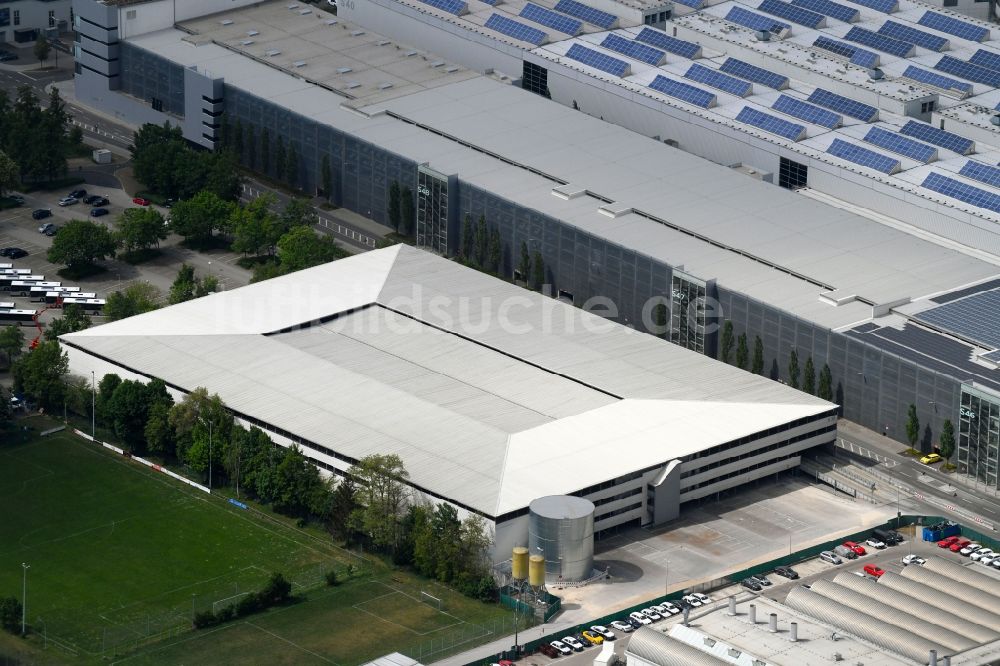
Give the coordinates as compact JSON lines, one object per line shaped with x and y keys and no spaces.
{"x":858,"y":550}
{"x":139,"y":201}
{"x":948,"y":541}
{"x":959,"y":545}
{"x":873,"y":570}
{"x":549,"y":651}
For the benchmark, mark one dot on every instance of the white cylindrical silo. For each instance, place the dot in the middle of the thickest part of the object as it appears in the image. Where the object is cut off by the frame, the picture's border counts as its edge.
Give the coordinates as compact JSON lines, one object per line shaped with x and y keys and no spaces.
{"x":561,"y":528}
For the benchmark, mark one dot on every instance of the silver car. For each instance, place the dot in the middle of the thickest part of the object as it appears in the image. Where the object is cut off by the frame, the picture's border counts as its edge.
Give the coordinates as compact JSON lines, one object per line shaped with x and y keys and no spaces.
{"x":830,"y":557}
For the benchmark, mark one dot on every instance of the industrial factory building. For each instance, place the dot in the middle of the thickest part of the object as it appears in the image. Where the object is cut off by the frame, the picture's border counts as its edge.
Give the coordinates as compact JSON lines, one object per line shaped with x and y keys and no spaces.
{"x":493,"y":396}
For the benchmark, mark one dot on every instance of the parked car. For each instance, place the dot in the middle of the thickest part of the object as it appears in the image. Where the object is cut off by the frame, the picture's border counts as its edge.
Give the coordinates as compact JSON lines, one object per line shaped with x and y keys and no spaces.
{"x":549,"y":651}
{"x":52,"y":231}
{"x":751,"y":584}
{"x":640,"y":618}
{"x":845,"y":552}
{"x":981,"y":553}
{"x":13,"y":252}
{"x":959,"y":545}
{"x":947,"y":541}
{"x":41,"y":214}
{"x":670,"y":608}
{"x":858,"y":550}
{"x":140,"y":201}
{"x":890,"y":537}
{"x":663,"y":610}
{"x":592,"y":637}
{"x":989,"y":559}
{"x":603,"y":632}
{"x":624,"y":627}
{"x":77,"y":194}
{"x":873,"y":570}
{"x":573,"y":643}
{"x":7,"y":56}
{"x":703,"y":598}
{"x":913,"y":559}
{"x":68,"y":201}
{"x":98,"y":212}
{"x":17,"y":199}
{"x":762,"y":579}
{"x":832,"y":558}
{"x":651,"y":614}
{"x":44,"y":229}
{"x":875,"y":543}
{"x":970,"y":549}
{"x":561,"y":647}
{"x":931,"y":458}
{"x":787,"y":572}
{"x":996,"y":563}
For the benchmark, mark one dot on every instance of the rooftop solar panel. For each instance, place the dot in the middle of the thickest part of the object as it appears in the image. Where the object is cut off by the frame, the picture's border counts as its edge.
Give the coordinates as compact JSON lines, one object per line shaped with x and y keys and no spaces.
{"x":938,"y":137}
{"x":984,"y":173}
{"x":953,"y":26}
{"x":635,"y":50}
{"x":914,"y":36}
{"x":956,"y":189}
{"x":884,"y":6}
{"x":716,"y":79}
{"x":695,"y":4}
{"x":879,"y":42}
{"x":683,"y":91}
{"x":864,"y":157}
{"x":807,"y":112}
{"x":587,"y":13}
{"x":661,"y":40}
{"x":551,"y":19}
{"x":936,"y":80}
{"x":755,"y":21}
{"x":844,"y":105}
{"x":985,"y":58}
{"x":799,"y":15}
{"x":973,"y":318}
{"x":753,"y":73}
{"x":515,"y":29}
{"x":598,"y":60}
{"x":992,"y":356}
{"x":855,"y":54}
{"x":962,"y":69}
{"x":831,"y":9}
{"x":772,"y":124}
{"x":901,"y":145}
{"x":456,"y":7}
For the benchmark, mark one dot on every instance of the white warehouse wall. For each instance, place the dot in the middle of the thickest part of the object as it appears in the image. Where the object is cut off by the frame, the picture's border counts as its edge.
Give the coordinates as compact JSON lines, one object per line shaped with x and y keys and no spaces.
{"x":135,"y":20}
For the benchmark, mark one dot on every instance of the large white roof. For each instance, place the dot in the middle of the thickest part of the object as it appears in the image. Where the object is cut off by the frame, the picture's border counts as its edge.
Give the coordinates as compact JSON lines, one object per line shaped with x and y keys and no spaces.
{"x":492,"y":395}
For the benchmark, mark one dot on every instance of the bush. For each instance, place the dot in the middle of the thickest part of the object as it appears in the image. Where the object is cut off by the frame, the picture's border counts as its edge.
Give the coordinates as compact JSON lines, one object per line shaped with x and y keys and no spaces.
{"x":205,"y":619}
{"x":248,"y":605}
{"x":331,"y":578}
{"x":226,"y":614}
{"x":10,"y":614}
{"x":278,"y":590}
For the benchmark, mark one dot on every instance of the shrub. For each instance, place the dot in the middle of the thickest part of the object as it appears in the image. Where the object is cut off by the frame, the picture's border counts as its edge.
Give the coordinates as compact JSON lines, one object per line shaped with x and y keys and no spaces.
{"x":277,"y":591}
{"x":248,"y":605}
{"x":226,"y":614}
{"x":205,"y":619}
{"x":331,"y":578}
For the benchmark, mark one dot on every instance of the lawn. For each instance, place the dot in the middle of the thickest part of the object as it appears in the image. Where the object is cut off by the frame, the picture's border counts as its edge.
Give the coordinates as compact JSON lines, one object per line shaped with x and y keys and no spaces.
{"x":121,"y":556}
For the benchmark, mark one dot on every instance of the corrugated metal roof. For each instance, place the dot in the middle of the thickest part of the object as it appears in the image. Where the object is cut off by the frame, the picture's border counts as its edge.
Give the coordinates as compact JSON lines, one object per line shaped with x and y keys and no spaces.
{"x":964,"y":574}
{"x":654,"y":647}
{"x":945,"y":601}
{"x":967,"y":593}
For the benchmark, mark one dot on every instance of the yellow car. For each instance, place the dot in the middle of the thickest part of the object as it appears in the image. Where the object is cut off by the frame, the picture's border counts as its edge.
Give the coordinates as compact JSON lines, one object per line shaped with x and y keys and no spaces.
{"x":594,"y":638}
{"x":931,"y":458}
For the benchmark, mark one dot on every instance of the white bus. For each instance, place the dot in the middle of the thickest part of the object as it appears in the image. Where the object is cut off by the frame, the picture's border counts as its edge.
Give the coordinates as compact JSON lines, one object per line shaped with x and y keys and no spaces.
{"x":7,"y":306}
{"x":15,"y":271}
{"x":38,"y":291}
{"x":18,"y":317}
{"x":6,"y":280}
{"x":2,"y":266}
{"x":23,"y":287}
{"x":88,"y":304}
{"x":53,"y":296}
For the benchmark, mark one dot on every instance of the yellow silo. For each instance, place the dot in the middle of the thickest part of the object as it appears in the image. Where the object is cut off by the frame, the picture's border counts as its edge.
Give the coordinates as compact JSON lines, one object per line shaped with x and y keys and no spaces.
{"x":536,"y":570}
{"x":519,"y":563}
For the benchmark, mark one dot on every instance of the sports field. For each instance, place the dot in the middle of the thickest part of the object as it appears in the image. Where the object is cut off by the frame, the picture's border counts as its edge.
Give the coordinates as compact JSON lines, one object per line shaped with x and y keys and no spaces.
{"x":121,"y":554}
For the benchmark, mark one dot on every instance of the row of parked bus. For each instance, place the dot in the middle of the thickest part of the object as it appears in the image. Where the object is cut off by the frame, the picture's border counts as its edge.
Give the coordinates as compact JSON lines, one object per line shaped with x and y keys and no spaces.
{"x":21,"y":282}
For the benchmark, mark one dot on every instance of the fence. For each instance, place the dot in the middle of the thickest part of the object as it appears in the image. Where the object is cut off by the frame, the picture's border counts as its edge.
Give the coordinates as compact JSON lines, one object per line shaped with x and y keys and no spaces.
{"x":143,"y":461}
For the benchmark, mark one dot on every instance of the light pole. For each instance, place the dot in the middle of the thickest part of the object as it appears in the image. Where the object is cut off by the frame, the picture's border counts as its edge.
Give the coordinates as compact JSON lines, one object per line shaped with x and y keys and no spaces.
{"x":93,"y":406}
{"x":24,"y":594}
{"x":209,"y":456}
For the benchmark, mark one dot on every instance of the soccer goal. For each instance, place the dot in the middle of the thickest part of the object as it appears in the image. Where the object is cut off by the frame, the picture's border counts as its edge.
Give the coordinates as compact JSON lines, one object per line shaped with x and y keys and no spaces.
{"x":431,"y":600}
{"x":222,"y":603}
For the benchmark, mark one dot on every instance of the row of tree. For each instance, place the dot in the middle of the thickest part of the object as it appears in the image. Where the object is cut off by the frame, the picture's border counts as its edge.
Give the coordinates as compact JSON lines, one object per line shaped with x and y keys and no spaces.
{"x":482,"y":248}
{"x":35,"y":140}
{"x":270,"y":156}
{"x":276,"y":592}
{"x":166,"y":164}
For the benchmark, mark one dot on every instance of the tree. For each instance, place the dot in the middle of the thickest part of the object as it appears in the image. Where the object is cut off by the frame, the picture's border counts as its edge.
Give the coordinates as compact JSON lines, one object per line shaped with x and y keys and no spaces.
{"x":10,"y":614}
{"x":326,"y":177}
{"x":296,"y":213}
{"x":183,"y":287}
{"x":10,"y":177}
{"x":468,"y":242}
{"x":757,"y":365}
{"x":129,"y":409}
{"x":158,"y":434}
{"x":39,"y":374}
{"x":153,"y":152}
{"x":265,"y":151}
{"x":73,"y":319}
{"x":395,"y":206}
{"x":11,"y":342}
{"x":481,"y":242}
{"x":947,"y":440}
{"x":292,"y":166}
{"x":217,"y":173}
{"x":279,"y":158}
{"x":105,"y":389}
{"x":140,"y":229}
{"x":809,"y":377}
{"x":382,"y":494}
{"x":42,"y":50}
{"x":202,"y":427}
{"x":343,"y":503}
{"x":302,"y":247}
{"x":742,"y":352}
{"x":524,"y":264}
{"x":825,"y":388}
{"x":660,"y":315}
{"x":793,"y":369}
{"x":135,"y":299}
{"x":198,"y":218}
{"x":251,"y":147}
{"x":727,"y":341}
{"x":52,"y":137}
{"x":21,"y":128}
{"x":408,"y":211}
{"x":494,"y":253}
{"x":254,"y":226}
{"x":537,"y":271}
{"x":80,"y":243}
{"x":912,"y":426}
{"x":299,"y":489}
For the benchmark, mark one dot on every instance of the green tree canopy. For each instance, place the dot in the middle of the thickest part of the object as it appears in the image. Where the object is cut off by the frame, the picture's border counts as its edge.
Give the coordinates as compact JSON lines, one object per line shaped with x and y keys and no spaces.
{"x":10,"y":177}
{"x":135,"y":299}
{"x":254,"y":226}
{"x":80,"y":243}
{"x":793,"y":369}
{"x":129,"y":409}
{"x":140,"y":228}
{"x":382,"y":496}
{"x":809,"y":377}
{"x":757,"y":366}
{"x":302,"y":247}
{"x":42,"y":50}
{"x":73,"y":319}
{"x":947,"y":440}
{"x":825,"y":388}
{"x":726,"y":348}
{"x":199,"y":217}
{"x":912,"y":425}
{"x":39,"y":374}
{"x":742,"y":352}
{"x":11,"y":342}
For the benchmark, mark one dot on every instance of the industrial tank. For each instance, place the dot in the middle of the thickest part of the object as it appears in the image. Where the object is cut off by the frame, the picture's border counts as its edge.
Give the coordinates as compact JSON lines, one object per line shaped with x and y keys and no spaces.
{"x":536,"y":571}
{"x":519,"y":563}
{"x":561,"y":528}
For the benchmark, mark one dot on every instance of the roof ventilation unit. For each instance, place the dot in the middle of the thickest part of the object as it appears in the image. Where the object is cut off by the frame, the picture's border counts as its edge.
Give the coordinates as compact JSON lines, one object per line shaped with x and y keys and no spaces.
{"x":451,"y":69}
{"x":246,"y":42}
{"x":995,"y":120}
{"x":226,"y":22}
{"x":384,"y":86}
{"x":352,"y":85}
{"x":293,"y":6}
{"x":384,"y":42}
{"x":437,"y":63}
{"x":252,"y":33}
{"x":299,"y":63}
{"x":357,"y":33}
{"x":876,"y":74}
{"x":303,"y":12}
{"x":331,"y":21}
{"x":410,"y":54}
{"x":343,"y":70}
{"x":272,"y":53}
{"x":763,"y":35}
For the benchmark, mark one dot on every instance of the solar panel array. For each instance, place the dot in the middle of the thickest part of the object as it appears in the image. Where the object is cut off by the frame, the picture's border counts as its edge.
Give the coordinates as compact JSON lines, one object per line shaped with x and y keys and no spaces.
{"x":551,"y":19}
{"x":456,"y":7}
{"x":914,"y":36}
{"x":844,"y":105}
{"x":716,"y":79}
{"x":884,"y":6}
{"x":974,"y":317}
{"x":696,"y":4}
{"x":936,"y":80}
{"x":807,"y":112}
{"x":902,"y":145}
{"x":952,"y":65}
{"x":786,"y":10}
{"x":755,"y":21}
{"x":992,"y":356}
{"x":956,"y":189}
{"x":772,"y":124}
{"x":858,"y":56}
{"x":879,"y":42}
{"x":832,"y":9}
{"x":938,"y":137}
{"x":634,"y":50}
{"x":985,"y":58}
{"x":745,"y":70}
{"x":863,"y":156}
{"x":984,"y":173}
{"x":683,"y":91}
{"x":515,"y":29}
{"x":660,"y":40}
{"x":598,"y":60}
{"x":586,"y":13}
{"x":953,"y":26}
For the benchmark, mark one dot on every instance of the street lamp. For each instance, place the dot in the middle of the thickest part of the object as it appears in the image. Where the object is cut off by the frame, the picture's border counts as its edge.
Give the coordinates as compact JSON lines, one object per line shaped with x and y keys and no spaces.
{"x":93,"y":406}
{"x":24,"y":594}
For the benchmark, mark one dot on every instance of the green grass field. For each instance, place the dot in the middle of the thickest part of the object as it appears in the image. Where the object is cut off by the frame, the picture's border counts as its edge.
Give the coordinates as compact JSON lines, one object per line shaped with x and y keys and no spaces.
{"x":120,"y":555}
